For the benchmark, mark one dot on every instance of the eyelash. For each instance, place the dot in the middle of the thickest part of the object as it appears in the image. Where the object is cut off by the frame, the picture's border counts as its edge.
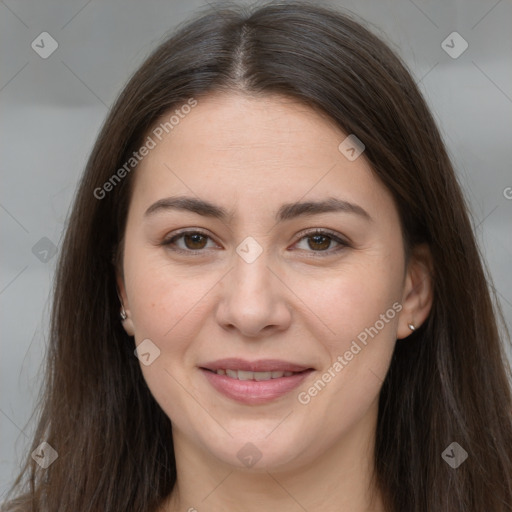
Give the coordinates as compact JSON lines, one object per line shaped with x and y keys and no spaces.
{"x":342,"y":244}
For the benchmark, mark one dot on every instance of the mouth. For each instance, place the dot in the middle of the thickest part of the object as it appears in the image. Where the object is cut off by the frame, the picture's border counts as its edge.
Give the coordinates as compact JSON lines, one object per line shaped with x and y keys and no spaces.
{"x":254,"y":382}
{"x":257,"y":376}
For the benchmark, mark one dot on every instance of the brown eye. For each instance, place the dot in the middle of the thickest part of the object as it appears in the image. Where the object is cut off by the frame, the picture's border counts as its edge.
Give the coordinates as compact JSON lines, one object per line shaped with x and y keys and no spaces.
{"x":319,"y":242}
{"x":195,"y":241}
{"x":190,"y":241}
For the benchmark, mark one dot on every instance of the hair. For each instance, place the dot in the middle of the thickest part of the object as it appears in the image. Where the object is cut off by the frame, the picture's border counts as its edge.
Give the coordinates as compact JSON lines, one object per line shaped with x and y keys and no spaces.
{"x":449,"y":381}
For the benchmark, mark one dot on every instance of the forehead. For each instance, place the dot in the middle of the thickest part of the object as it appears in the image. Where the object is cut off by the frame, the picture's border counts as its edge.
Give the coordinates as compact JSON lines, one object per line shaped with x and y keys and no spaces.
{"x":267,"y":126}
{"x":232,"y":147}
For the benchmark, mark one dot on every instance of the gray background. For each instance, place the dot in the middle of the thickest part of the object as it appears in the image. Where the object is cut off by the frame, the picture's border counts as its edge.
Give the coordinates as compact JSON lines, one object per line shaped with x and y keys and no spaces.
{"x":52,"y":109}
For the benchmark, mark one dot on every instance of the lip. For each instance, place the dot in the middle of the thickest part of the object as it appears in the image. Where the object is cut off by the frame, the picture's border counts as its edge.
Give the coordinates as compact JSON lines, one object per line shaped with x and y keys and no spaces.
{"x":252,"y":392}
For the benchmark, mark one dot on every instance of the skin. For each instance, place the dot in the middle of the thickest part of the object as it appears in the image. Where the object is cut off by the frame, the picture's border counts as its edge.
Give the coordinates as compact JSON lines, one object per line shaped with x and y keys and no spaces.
{"x":295,"y":302}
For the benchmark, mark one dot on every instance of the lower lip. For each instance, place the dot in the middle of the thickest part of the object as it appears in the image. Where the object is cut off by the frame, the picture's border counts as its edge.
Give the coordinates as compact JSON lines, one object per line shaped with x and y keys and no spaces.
{"x":252,"y":391}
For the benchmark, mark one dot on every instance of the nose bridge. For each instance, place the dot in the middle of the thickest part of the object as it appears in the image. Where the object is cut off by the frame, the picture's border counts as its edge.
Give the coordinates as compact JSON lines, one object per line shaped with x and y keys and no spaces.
{"x":251,"y":279}
{"x":251,"y":265}
{"x":251,"y":299}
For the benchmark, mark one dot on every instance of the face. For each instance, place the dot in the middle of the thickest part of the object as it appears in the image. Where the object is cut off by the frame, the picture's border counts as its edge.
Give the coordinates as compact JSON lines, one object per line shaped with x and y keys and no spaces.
{"x":267,"y":271}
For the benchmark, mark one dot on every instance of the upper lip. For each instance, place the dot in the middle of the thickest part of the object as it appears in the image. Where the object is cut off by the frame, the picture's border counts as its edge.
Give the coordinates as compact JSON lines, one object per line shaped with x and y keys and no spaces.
{"x":262,"y":365}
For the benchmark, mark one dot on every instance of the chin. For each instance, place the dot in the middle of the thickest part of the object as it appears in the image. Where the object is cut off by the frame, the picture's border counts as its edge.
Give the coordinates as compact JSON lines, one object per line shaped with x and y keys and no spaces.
{"x":262,"y":452}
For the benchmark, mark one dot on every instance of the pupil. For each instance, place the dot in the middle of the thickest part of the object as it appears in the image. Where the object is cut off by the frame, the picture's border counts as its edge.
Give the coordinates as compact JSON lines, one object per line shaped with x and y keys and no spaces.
{"x":319,"y":242}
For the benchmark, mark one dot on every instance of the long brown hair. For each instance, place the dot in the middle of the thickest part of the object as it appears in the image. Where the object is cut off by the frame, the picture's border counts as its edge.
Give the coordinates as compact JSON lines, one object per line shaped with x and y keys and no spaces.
{"x":448,"y":382}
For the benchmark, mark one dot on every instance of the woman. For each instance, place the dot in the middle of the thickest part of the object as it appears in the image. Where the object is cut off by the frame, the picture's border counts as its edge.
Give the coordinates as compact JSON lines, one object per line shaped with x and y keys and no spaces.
{"x":269,"y":296}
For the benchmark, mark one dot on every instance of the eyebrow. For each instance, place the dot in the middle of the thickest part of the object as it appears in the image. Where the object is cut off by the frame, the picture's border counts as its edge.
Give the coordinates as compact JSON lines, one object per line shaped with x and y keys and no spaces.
{"x":287,"y":211}
{"x":300,"y":209}
{"x":190,"y":204}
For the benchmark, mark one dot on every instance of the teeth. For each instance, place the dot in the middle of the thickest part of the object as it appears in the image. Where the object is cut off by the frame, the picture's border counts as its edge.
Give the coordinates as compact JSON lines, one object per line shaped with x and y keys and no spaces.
{"x":245,"y":375}
{"x":258,"y":376}
{"x":276,"y":375}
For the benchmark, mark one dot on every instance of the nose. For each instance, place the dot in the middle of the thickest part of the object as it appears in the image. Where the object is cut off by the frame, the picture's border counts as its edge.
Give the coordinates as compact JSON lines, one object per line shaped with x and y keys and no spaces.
{"x":253,"y":300}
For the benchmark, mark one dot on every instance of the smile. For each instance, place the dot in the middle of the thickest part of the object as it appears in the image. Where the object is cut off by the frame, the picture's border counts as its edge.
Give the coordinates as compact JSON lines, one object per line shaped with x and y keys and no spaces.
{"x":257,"y":376}
{"x":254,"y":383}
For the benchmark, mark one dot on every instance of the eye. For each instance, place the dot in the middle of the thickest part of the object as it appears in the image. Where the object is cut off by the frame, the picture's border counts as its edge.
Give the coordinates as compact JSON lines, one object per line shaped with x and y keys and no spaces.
{"x":194,"y":241}
{"x":321,"y":241}
{"x":190,"y":241}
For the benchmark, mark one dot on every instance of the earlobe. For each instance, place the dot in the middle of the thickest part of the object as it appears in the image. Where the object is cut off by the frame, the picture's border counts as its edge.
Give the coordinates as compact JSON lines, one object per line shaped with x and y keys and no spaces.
{"x":417,"y":295}
{"x":124,"y":312}
{"x":128,"y":326}
{"x":126,"y":320}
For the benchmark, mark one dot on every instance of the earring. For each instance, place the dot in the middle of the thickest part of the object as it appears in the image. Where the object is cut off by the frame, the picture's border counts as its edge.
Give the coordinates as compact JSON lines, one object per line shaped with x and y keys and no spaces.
{"x":411,"y":326}
{"x":122,"y":314}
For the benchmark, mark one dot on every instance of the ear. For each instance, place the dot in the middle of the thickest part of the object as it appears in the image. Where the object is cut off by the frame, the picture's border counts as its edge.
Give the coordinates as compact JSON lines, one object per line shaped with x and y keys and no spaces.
{"x":417,"y":293}
{"x":123,"y":298}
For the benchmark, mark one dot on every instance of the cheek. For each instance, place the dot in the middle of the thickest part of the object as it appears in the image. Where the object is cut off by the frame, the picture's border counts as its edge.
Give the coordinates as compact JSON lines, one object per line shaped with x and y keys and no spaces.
{"x":357,"y":312}
{"x":165,"y":305}
{"x":346,"y":302}
{"x":167,"y":308}
{"x":163,"y":298}
{"x":361,"y":314}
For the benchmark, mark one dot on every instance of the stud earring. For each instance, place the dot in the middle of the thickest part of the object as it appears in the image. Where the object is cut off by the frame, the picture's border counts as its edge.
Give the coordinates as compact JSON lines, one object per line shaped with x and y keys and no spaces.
{"x":411,"y":326}
{"x":122,"y":313}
